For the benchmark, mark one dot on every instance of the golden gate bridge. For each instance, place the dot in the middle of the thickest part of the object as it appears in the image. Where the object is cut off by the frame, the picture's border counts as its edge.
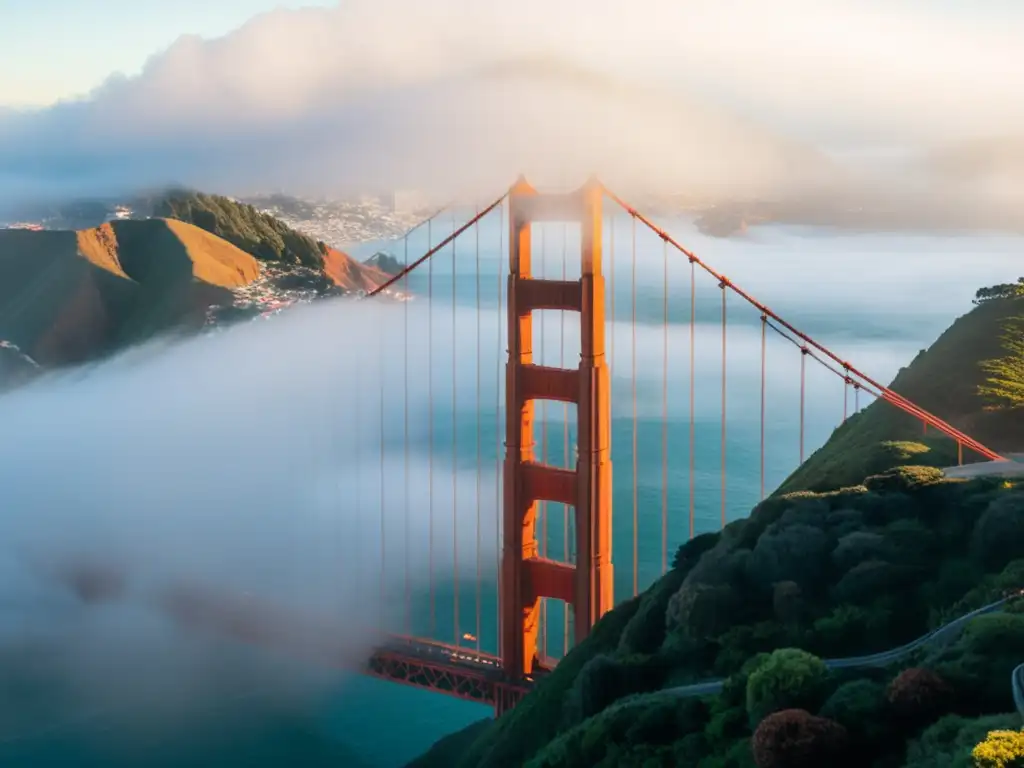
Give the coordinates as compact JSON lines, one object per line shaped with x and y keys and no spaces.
{"x":534,"y":484}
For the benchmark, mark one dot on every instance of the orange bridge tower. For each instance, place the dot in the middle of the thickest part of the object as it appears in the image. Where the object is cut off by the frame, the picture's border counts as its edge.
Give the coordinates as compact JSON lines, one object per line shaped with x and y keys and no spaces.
{"x":586,"y":585}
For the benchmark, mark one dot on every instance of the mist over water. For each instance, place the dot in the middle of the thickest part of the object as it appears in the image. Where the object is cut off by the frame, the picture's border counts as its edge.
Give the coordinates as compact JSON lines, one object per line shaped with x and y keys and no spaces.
{"x":305,"y":463}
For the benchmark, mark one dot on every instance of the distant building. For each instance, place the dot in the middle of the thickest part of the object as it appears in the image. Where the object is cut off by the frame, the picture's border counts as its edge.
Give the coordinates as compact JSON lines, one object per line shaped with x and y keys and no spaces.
{"x":25,"y":225}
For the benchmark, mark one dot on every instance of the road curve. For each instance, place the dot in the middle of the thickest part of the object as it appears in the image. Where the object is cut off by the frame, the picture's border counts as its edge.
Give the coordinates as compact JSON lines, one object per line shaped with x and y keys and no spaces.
{"x":880,"y":659}
{"x":1017,"y":682}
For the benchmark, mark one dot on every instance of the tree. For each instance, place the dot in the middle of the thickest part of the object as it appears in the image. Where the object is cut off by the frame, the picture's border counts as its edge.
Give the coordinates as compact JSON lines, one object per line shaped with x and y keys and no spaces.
{"x":795,"y":738}
{"x":1004,"y":385}
{"x":788,"y":678}
{"x":918,"y":695}
{"x":1000,"y":291}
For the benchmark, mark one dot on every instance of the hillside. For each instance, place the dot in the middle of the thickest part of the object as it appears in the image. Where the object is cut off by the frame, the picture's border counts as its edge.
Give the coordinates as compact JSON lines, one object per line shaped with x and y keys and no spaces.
{"x":879,"y":565}
{"x":944,"y":379}
{"x":66,"y":297}
{"x":265,"y":237}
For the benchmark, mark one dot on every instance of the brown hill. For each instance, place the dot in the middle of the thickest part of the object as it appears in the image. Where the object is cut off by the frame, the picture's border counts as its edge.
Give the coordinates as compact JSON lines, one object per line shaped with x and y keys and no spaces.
{"x":66,"y":297}
{"x":347,"y":273}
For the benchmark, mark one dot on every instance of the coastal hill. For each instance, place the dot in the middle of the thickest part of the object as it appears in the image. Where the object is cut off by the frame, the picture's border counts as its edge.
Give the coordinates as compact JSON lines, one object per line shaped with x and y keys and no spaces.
{"x":66,"y":297}
{"x":71,"y":296}
{"x":812,"y":575}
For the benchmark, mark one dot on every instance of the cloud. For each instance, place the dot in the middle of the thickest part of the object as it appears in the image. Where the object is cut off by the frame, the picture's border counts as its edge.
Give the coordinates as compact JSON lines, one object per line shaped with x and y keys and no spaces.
{"x":456,"y":96}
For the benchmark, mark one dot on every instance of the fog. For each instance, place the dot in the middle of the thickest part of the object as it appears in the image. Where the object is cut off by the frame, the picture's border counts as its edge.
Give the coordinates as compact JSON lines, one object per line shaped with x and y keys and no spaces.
{"x":229,"y":468}
{"x":734,"y":98}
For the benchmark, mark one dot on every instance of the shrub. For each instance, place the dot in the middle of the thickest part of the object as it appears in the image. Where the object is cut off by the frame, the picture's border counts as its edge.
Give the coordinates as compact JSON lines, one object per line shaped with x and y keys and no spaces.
{"x":793,"y":553}
{"x":904,"y":479}
{"x":999,"y":534}
{"x":859,"y":546}
{"x":919,"y":695}
{"x":691,"y":551}
{"x":1001,"y":749}
{"x":788,"y":602}
{"x":703,"y":610}
{"x":789,"y":678}
{"x":794,"y":738}
{"x":860,"y":707}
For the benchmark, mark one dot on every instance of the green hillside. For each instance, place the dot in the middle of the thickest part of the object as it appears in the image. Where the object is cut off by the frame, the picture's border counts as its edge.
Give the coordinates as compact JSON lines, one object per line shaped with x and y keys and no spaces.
{"x":949,"y":380}
{"x":259,"y":234}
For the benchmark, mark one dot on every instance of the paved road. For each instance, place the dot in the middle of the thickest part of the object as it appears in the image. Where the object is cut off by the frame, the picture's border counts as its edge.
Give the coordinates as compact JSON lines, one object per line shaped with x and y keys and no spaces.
{"x":880,"y":659}
{"x":1017,"y":681}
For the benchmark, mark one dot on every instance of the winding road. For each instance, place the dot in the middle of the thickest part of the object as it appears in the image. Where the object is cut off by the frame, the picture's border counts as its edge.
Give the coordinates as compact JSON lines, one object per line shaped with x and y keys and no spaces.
{"x":882,"y":658}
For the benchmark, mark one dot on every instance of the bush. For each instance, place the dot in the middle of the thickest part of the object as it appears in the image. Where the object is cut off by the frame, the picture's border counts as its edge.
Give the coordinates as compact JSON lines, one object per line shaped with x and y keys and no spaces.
{"x":703,"y":610}
{"x":904,"y":479}
{"x":793,"y":553}
{"x":999,"y":534}
{"x":789,"y":678}
{"x":949,"y":742}
{"x":1001,"y":749}
{"x":794,"y":738}
{"x":918,"y":695}
{"x":788,"y":602}
{"x":860,"y":707}
{"x":691,"y":551}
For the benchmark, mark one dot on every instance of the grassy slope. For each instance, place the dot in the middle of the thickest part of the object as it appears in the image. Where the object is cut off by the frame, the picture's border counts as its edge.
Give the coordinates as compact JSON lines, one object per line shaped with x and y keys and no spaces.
{"x":68,"y":296}
{"x":265,"y":237}
{"x":943,"y":380}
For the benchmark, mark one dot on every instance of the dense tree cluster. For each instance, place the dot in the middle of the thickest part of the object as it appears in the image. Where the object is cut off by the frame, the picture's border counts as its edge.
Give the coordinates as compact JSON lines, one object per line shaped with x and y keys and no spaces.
{"x":1000,"y":291}
{"x":1004,"y":383}
{"x":806,"y":577}
{"x":259,"y":234}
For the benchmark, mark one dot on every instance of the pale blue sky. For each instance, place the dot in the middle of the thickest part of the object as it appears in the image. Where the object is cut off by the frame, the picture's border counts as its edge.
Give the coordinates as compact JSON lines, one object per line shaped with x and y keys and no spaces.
{"x":50,"y":49}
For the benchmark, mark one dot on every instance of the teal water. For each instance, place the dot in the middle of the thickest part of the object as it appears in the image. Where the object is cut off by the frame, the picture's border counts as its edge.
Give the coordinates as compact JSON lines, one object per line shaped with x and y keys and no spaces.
{"x":875,"y":299}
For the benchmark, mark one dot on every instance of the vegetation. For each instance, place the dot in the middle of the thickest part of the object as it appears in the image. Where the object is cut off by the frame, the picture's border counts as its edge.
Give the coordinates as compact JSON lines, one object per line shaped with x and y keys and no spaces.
{"x":953,"y":380}
{"x":259,"y":234}
{"x":880,"y":564}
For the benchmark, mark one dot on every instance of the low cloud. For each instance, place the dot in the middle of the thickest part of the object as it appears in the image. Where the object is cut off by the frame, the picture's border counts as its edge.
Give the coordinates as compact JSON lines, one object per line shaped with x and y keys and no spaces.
{"x":720,"y":98}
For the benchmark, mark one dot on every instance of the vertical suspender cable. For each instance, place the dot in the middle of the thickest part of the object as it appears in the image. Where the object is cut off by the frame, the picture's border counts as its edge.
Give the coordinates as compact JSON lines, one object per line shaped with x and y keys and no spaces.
{"x":543,"y":453}
{"x":383,"y":527}
{"x":430,"y":424}
{"x":455,"y":452}
{"x":497,"y":425}
{"x":856,"y":398}
{"x":724,"y":328}
{"x":803,"y":394}
{"x":479,"y":458}
{"x":764,"y":360}
{"x":405,"y":441}
{"x":636,"y":570}
{"x":565,"y":444}
{"x":693,"y":382}
{"x":664,"y":409}
{"x":846,"y":396}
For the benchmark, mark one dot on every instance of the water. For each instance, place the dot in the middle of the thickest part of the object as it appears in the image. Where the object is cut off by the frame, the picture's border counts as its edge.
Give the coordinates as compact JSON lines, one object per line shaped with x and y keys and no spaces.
{"x":875,"y":299}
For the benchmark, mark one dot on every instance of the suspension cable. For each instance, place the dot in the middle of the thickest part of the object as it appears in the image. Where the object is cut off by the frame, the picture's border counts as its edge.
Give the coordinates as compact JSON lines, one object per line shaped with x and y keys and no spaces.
{"x":636,"y":515}
{"x":455,"y":452}
{"x":479,"y":457}
{"x":764,"y":360}
{"x":884,"y":392}
{"x":434,"y":249}
{"x":724,"y":328}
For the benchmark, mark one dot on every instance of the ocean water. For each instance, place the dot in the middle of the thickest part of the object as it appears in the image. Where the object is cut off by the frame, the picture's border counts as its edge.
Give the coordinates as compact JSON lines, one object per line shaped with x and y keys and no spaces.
{"x":875,"y":299}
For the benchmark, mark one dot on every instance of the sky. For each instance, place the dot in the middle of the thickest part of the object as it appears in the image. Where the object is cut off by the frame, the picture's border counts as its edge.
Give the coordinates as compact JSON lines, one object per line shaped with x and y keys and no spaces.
{"x":108,"y":36}
{"x":724,"y":97}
